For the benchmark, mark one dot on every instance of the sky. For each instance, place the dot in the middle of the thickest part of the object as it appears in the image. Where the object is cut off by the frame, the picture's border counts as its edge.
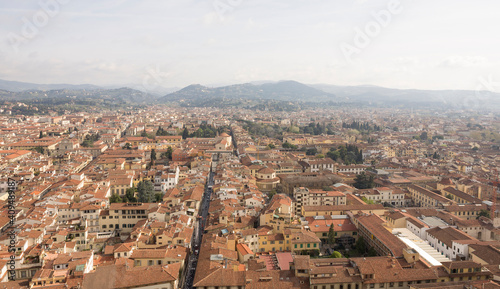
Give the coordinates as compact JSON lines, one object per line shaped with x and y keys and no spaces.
{"x":447,"y":44}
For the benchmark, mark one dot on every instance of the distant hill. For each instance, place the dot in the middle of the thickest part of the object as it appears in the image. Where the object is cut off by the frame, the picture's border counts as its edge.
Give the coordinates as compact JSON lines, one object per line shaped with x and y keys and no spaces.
{"x":122,"y":95}
{"x":381,"y":96}
{"x":267,"y":95}
{"x":17,"y":86}
{"x":282,"y":91}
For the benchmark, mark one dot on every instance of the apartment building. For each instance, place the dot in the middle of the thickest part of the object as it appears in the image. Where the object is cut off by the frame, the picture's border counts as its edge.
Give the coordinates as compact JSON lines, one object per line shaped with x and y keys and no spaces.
{"x":310,"y":197}
{"x":122,"y":217}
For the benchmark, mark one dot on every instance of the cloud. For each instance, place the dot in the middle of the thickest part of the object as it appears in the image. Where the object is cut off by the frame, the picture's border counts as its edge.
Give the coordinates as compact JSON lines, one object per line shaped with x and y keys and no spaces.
{"x":458,"y":61}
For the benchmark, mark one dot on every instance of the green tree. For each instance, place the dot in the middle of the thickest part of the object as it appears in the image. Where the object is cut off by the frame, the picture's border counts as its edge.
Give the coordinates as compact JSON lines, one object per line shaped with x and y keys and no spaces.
{"x":158,"y":197}
{"x":271,"y":146}
{"x":168,"y":153}
{"x":361,"y":246}
{"x":364,"y":181}
{"x":334,"y":155}
{"x":312,"y":152}
{"x":483,"y":213}
{"x":423,"y":136}
{"x":130,"y":195}
{"x":41,"y":134}
{"x":185,"y":133}
{"x":145,"y":192}
{"x":115,"y":198}
{"x":153,"y":155}
{"x":127,"y":146}
{"x":39,"y":150}
{"x":336,"y":254}
{"x":331,"y":235}
{"x":287,"y":145}
{"x":372,"y":252}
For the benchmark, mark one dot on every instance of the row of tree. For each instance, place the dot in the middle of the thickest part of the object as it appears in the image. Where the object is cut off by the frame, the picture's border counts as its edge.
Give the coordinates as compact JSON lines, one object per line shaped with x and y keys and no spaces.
{"x":361,"y":126}
{"x":349,"y":154}
{"x":161,"y":132}
{"x":205,"y":130}
{"x":317,"y":129}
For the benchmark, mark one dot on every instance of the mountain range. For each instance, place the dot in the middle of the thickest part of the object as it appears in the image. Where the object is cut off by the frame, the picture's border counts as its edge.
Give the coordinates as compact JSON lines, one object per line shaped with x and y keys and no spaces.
{"x":242,"y":95}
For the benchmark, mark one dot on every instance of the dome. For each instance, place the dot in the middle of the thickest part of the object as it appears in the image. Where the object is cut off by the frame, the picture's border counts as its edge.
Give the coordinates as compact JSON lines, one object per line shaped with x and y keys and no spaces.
{"x":266,"y":171}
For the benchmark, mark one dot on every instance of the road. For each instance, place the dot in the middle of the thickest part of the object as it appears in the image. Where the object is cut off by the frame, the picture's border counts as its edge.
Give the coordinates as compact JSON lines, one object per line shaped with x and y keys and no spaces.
{"x":198,"y":233}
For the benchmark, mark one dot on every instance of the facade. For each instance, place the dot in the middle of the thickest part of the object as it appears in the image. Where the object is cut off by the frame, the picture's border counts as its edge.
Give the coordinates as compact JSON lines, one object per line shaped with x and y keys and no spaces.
{"x":310,"y":197}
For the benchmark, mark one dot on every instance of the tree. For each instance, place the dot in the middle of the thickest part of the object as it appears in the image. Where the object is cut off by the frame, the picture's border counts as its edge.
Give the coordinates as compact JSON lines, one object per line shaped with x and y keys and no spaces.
{"x":483,"y":213}
{"x":334,"y":155}
{"x":158,"y":197}
{"x":168,"y":153}
{"x":115,"y":198}
{"x":449,"y":196}
{"x":185,"y":133}
{"x":130,"y":195}
{"x":287,"y":145}
{"x":153,"y":155}
{"x":361,"y":245}
{"x":312,"y":152}
{"x":369,"y":202}
{"x":127,"y":146}
{"x":145,"y":192}
{"x":39,"y":149}
{"x":41,"y":134}
{"x":336,"y":254}
{"x":423,"y":136}
{"x":271,"y":146}
{"x":372,"y":252}
{"x":331,"y":235}
{"x":364,"y":181}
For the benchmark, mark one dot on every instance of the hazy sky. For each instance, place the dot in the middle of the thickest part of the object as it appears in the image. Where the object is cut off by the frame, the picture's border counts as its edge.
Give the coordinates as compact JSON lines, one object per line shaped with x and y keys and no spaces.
{"x":448,"y":44}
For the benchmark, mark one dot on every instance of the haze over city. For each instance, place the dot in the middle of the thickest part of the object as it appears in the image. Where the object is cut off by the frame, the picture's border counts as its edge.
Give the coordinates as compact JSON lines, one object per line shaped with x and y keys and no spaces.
{"x":418,"y":44}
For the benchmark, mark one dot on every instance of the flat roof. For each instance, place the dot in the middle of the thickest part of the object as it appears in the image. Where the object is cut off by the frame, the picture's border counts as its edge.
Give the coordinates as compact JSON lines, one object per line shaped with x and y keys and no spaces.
{"x":425,"y":250}
{"x":433,"y":222}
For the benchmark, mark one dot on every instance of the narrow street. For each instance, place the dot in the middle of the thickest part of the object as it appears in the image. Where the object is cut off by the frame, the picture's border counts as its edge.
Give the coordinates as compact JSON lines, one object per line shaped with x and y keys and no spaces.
{"x":198,"y":232}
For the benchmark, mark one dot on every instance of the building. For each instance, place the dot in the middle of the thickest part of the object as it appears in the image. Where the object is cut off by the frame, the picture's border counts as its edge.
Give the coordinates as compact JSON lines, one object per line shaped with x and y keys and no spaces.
{"x":311,"y":197}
